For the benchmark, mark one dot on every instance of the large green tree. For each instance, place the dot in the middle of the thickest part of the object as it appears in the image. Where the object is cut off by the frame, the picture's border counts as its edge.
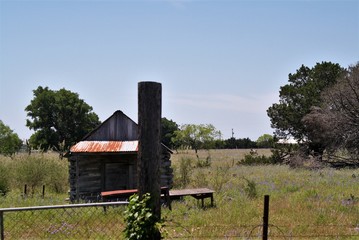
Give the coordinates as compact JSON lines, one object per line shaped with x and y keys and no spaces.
{"x":336,"y":122}
{"x":201,"y":136}
{"x":10,"y":142}
{"x":168,"y":127}
{"x":59,"y":118}
{"x":265,"y":141}
{"x":298,"y":97}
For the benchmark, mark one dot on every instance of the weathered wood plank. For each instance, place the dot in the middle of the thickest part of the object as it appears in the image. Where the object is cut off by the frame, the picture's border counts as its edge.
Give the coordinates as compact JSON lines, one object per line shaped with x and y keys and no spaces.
{"x":187,"y":192}
{"x":198,"y":193}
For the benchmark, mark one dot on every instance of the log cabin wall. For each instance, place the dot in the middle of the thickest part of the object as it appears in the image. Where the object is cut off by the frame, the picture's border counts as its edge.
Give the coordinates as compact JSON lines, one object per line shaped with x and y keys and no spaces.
{"x":166,"y":170}
{"x":91,"y":174}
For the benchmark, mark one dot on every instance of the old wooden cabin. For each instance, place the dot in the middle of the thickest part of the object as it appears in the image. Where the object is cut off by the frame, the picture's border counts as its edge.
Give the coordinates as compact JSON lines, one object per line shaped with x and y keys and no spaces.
{"x":106,"y":160}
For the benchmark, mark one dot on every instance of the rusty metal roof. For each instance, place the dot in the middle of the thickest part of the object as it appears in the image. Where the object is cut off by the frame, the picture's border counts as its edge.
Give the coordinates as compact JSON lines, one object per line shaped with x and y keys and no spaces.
{"x":105,"y":146}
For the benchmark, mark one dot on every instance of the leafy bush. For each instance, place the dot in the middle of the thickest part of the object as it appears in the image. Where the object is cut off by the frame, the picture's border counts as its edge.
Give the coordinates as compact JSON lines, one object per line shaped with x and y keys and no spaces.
{"x":38,"y":170}
{"x":32,"y":171}
{"x":204,"y":163}
{"x":251,"y":159}
{"x":251,"y":189}
{"x":220,"y":177}
{"x":10,"y":142}
{"x":282,"y":152}
{"x":4,"y":180}
{"x":184,"y":173}
{"x":200,"y":178}
{"x":57,"y":177}
{"x":140,"y":222}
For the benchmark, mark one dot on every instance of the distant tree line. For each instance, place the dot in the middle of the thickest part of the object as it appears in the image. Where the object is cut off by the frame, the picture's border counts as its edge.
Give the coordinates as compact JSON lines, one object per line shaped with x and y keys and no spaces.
{"x":206,"y":136}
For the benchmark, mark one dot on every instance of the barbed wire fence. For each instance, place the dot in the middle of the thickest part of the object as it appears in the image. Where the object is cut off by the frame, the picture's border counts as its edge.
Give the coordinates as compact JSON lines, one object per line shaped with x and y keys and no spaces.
{"x":105,"y":221}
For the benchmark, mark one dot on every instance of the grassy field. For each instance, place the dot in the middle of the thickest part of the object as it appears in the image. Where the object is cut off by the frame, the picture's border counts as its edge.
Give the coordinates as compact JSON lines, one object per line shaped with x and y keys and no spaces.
{"x":304,"y":204}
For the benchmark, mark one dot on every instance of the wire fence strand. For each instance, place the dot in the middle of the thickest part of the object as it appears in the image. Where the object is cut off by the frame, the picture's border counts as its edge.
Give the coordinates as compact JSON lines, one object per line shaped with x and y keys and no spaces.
{"x":105,"y":221}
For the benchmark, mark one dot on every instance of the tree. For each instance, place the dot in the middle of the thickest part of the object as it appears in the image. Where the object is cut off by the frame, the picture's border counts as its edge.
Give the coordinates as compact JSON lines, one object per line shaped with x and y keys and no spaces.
{"x":243,"y":143}
{"x":10,"y":142}
{"x":59,"y":118}
{"x":336,"y":123}
{"x":265,"y":141}
{"x":196,"y":136}
{"x":168,"y":127}
{"x":298,"y":97}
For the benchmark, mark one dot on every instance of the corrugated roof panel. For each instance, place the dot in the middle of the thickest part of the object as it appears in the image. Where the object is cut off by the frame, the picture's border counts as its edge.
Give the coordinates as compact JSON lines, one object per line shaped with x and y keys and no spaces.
{"x":129,"y":146}
{"x":105,"y":146}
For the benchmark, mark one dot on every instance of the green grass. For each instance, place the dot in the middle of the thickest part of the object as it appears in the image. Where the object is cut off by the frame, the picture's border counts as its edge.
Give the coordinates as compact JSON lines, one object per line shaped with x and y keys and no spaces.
{"x":311,"y":204}
{"x":303,"y":202}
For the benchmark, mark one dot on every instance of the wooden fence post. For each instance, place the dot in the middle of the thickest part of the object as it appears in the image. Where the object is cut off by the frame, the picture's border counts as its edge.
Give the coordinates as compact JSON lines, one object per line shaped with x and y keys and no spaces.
{"x":2,"y":231}
{"x":265,"y":217}
{"x":149,"y":149}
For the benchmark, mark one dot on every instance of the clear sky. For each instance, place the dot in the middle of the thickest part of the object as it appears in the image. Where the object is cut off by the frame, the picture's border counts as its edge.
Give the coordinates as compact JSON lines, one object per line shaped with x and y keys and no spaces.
{"x":219,"y":62}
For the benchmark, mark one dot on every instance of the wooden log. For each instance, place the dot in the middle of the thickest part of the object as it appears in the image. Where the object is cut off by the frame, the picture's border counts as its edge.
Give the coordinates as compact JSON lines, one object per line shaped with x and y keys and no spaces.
{"x":149,"y":150}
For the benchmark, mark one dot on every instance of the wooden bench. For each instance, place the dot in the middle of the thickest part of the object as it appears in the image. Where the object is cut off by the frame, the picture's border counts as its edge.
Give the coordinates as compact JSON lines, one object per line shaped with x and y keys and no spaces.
{"x":125,"y":194}
{"x":198,"y":193}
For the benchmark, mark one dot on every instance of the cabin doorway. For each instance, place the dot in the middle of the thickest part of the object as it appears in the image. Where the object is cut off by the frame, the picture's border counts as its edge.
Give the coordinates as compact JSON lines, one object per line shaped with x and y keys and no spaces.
{"x":116,"y":176}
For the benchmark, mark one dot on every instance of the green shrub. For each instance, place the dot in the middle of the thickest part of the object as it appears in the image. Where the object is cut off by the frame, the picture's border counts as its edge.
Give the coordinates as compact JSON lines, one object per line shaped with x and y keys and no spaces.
{"x":204,"y":163}
{"x":251,"y":159}
{"x":280,"y":154}
{"x":251,"y":189}
{"x":31,"y":171}
{"x":184,"y":173}
{"x":38,"y":170}
{"x":4,"y":180}
{"x":220,"y":176}
{"x":57,"y":177}
{"x":140,"y":222}
{"x":200,"y":178}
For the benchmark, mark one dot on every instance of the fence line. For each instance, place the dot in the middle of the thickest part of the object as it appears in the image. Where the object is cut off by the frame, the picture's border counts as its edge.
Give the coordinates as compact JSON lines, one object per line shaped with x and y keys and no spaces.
{"x":79,"y":205}
{"x":62,"y":221}
{"x":105,"y":221}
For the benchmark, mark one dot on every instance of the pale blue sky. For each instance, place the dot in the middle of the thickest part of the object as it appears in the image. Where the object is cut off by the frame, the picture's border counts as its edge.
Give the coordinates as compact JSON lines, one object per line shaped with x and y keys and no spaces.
{"x":219,"y":62}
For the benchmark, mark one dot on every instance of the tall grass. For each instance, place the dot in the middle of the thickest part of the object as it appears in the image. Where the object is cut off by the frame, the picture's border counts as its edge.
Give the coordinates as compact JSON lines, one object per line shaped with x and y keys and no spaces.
{"x":322,"y":202}
{"x":34,"y":171}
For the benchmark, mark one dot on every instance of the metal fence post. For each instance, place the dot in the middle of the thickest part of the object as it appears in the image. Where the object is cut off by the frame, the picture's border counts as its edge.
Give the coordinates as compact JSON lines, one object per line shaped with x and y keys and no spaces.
{"x":265,"y":217}
{"x":2,"y":236}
